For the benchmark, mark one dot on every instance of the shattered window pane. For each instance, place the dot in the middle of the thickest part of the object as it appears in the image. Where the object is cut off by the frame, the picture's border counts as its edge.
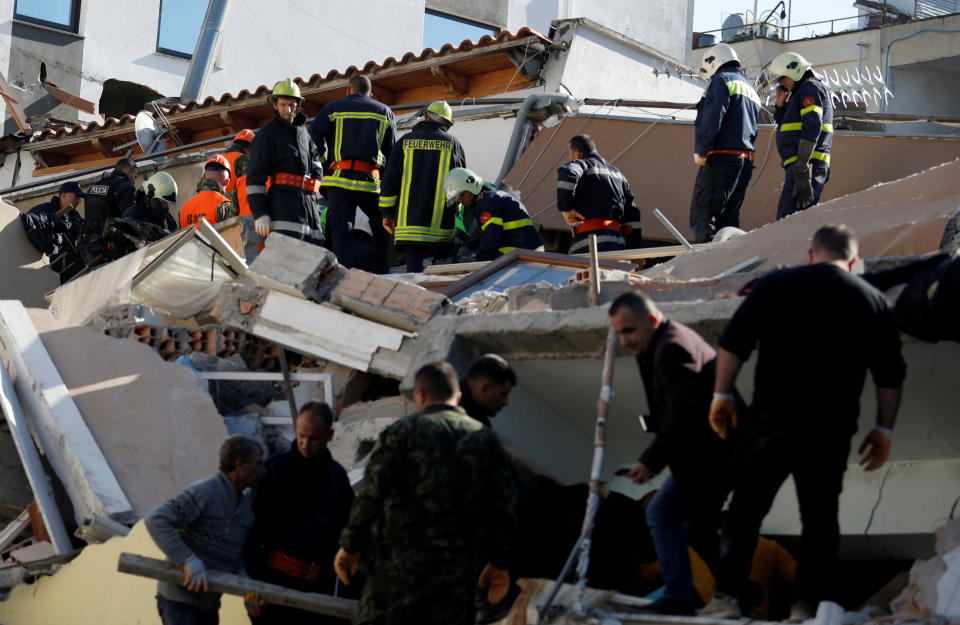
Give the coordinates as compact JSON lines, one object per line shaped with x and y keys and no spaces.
{"x":180,"y":22}
{"x":439,"y":29}
{"x":55,"y":13}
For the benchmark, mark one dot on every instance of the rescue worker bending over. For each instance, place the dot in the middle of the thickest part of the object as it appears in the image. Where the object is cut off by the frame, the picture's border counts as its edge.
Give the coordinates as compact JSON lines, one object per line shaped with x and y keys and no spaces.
{"x":726,"y":128}
{"x":504,"y":222}
{"x":284,"y":155}
{"x":595,"y":198}
{"x":110,"y":197}
{"x":412,"y":201}
{"x":357,"y":134}
{"x":804,"y":118}
{"x":210,"y":202}
{"x":153,"y":202}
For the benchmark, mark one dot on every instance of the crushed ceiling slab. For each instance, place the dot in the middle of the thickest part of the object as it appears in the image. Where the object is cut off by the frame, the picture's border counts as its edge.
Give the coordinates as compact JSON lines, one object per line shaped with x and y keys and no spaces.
{"x":158,"y":431}
{"x":896,"y":218}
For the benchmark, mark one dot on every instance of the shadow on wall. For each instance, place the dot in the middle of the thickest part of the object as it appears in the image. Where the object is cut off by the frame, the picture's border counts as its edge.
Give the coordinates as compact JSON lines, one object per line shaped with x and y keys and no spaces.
{"x":26,"y":275}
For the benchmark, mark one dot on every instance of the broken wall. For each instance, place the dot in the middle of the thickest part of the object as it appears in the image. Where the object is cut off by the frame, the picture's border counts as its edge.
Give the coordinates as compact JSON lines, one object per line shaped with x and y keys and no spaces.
{"x":26,"y":272}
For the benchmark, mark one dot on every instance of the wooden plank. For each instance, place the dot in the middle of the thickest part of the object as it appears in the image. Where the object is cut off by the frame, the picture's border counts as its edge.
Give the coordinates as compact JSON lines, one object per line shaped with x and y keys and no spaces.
{"x":263,"y":376}
{"x":664,"y":251}
{"x":64,"y":436}
{"x":73,"y":101}
{"x":13,"y":529}
{"x":30,"y":458}
{"x":452,"y":82}
{"x":231,"y":584}
{"x":13,"y":105}
{"x":231,"y":257}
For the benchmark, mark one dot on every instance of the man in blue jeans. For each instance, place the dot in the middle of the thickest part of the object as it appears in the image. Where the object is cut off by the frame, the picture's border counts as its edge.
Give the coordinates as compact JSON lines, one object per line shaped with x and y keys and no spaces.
{"x":677,"y":368}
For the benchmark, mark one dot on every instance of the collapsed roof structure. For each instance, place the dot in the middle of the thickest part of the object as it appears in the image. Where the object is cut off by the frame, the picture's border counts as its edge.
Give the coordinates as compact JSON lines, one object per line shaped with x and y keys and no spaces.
{"x":121,"y":427}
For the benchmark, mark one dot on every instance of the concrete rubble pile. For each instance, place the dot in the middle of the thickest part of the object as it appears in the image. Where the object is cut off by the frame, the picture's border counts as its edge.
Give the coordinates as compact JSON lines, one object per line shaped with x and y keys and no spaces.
{"x":121,"y":425}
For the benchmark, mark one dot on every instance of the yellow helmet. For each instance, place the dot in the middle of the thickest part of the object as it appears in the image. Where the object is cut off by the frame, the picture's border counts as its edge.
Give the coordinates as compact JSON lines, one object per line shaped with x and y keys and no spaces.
{"x":440,"y":112}
{"x":286,"y":88}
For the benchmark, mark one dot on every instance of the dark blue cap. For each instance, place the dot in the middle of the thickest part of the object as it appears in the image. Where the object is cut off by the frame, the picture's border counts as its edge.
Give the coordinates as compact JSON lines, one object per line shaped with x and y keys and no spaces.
{"x":71,"y":187}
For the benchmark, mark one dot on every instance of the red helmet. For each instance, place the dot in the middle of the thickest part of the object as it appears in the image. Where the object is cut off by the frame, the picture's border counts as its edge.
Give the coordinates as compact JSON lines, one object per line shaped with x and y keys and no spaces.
{"x":244,"y":135}
{"x":217,"y":160}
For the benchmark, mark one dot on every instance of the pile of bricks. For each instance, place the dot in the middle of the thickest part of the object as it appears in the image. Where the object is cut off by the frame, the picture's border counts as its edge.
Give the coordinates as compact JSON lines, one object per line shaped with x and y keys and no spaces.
{"x":392,"y":302}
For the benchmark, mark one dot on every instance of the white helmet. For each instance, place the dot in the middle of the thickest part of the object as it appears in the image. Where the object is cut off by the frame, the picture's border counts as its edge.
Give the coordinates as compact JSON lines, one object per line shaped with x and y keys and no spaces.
{"x":458,"y":180}
{"x":715,"y":57}
{"x":789,"y":64}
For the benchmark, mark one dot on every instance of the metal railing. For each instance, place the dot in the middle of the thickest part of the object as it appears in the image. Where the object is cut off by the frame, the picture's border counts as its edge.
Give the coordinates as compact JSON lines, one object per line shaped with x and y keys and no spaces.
{"x":935,"y":8}
{"x":800,"y":31}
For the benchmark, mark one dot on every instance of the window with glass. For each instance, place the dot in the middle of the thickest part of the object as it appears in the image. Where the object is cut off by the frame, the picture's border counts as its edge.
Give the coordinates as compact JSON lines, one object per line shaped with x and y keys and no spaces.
{"x":179,"y":26}
{"x":59,"y":14}
{"x":440,"y":29}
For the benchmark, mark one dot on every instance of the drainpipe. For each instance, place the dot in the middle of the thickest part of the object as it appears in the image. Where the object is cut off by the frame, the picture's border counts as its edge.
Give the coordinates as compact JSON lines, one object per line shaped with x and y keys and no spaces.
{"x":204,"y":55}
{"x":523,"y":126}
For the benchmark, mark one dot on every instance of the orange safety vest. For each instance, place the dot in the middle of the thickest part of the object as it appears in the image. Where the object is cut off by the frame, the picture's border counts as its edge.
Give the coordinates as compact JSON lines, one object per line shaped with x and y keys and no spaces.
{"x":242,"y":202}
{"x":232,"y":159}
{"x":203,"y":204}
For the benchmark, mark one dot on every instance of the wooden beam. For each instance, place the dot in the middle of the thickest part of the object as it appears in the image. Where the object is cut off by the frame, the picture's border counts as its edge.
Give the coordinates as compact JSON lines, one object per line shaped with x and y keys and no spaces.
{"x":241,"y":586}
{"x":105,"y":147}
{"x":452,"y":82}
{"x":227,"y":120}
{"x":382,"y":94}
{"x":63,"y":433}
{"x":13,"y":105}
{"x":73,"y":101}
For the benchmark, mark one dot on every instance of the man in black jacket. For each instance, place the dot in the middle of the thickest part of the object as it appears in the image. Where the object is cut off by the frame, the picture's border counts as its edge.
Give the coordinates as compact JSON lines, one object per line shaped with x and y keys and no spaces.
{"x":302,"y":504}
{"x":357,"y":134}
{"x":110,"y":197}
{"x":284,"y":155}
{"x":677,"y":367}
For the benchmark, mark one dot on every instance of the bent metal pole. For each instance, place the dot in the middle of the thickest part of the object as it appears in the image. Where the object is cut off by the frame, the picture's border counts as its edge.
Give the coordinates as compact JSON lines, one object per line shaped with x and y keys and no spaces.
{"x":581,"y":549}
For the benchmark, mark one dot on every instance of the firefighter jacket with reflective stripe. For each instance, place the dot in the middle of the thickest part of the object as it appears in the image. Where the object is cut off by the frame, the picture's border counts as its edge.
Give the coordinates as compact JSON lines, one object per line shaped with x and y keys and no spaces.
{"x":505,"y":225}
{"x":284,"y":147}
{"x":238,"y":167}
{"x":412,"y":187}
{"x":596,"y":189}
{"x":209,"y":203}
{"x":808,"y":114}
{"x":110,"y":197}
{"x":356,"y":127}
{"x":727,"y":114}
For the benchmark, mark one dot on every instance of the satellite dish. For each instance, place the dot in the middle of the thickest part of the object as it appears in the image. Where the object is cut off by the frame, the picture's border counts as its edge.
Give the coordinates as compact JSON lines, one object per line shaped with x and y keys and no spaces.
{"x":733,"y":27}
{"x":149,"y":134}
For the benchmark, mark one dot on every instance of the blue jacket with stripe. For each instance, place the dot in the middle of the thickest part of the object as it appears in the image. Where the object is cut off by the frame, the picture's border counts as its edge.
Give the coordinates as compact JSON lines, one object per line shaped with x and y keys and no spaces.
{"x":505,"y":225}
{"x":596,"y":189}
{"x":355,"y":127}
{"x":808,"y":114}
{"x":727,"y":113}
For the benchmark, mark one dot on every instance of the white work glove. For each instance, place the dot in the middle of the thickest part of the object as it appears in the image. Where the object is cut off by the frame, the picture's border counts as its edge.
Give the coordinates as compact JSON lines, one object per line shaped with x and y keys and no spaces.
{"x":263,"y":225}
{"x":194,"y":574}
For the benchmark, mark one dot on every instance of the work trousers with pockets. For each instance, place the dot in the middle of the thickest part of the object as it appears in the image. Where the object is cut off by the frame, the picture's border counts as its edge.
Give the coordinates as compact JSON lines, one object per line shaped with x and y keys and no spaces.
{"x":179,"y":613}
{"x":718,"y":192}
{"x":766,"y":455}
{"x":682,"y":514}
{"x":819,"y":176}
{"x":342,"y":208}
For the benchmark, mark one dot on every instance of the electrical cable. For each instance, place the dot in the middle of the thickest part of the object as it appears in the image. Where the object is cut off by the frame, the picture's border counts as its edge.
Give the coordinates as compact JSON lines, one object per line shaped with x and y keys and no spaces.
{"x":267,"y":36}
{"x":338,"y":31}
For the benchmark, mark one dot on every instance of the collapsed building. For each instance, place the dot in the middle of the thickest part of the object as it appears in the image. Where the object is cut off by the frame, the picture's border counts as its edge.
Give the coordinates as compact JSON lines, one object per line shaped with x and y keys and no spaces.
{"x":118,"y":394}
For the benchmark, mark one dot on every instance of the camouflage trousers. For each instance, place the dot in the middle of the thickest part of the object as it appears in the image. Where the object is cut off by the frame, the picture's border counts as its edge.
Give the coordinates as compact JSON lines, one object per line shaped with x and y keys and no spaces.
{"x":427,"y":593}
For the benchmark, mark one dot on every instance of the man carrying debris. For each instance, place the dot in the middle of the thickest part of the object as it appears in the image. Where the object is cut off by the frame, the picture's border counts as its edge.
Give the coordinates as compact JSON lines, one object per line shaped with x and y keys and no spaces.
{"x":486,"y":387}
{"x":205,"y":525}
{"x":301,"y":506}
{"x":595,"y":198}
{"x":505,"y":224}
{"x":357,"y":134}
{"x":819,"y":329}
{"x":211,"y":201}
{"x":110,"y":197}
{"x":411,"y":199}
{"x":439,"y":491}
{"x":726,"y":128}
{"x":804,"y":117}
{"x":284,"y":156}
{"x":677,"y":368}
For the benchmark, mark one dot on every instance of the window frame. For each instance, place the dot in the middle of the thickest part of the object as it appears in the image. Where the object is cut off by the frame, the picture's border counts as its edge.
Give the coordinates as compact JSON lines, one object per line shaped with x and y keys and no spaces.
{"x":463,"y":20}
{"x":170,"y":51}
{"x":73,"y":27}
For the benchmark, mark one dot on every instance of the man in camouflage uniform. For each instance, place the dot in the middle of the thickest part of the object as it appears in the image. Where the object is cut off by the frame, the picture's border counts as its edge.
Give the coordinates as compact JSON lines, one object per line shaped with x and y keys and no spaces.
{"x":440,"y":492}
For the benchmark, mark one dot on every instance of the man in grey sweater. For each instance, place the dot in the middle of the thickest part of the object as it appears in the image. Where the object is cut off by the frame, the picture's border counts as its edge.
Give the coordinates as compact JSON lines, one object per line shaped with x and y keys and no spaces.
{"x":206,"y":525}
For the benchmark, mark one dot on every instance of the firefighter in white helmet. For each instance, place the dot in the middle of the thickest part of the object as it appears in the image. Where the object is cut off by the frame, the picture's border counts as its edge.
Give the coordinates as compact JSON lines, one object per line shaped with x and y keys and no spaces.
{"x":726,"y":128}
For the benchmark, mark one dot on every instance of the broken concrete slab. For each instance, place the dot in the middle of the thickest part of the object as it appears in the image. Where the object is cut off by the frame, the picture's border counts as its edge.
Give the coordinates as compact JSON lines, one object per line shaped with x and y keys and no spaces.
{"x":158,"y":431}
{"x":296,"y":267}
{"x":389,"y":301}
{"x":305,"y":327}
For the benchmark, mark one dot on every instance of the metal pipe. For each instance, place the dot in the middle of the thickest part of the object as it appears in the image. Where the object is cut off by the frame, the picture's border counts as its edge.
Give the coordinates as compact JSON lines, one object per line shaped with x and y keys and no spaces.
{"x":523,"y":126}
{"x":673,"y":230}
{"x":205,"y":53}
